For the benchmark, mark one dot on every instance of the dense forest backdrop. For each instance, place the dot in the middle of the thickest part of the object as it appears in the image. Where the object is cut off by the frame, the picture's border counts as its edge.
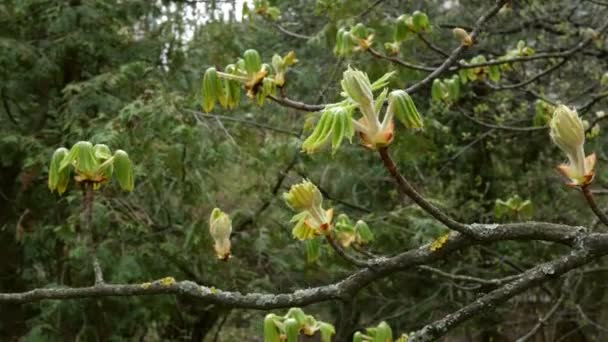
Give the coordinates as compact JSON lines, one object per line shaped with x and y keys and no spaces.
{"x":129,"y":74}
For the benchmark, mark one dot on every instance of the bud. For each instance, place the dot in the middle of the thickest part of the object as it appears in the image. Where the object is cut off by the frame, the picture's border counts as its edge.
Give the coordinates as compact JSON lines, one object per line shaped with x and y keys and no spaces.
{"x":220,"y":228}
{"x":313,"y":219}
{"x":303,"y":196}
{"x":290,"y":59}
{"x":604,"y":80}
{"x":357,"y":86}
{"x":404,"y":109}
{"x":463,"y":36}
{"x":392,"y":48}
{"x":568,"y":133}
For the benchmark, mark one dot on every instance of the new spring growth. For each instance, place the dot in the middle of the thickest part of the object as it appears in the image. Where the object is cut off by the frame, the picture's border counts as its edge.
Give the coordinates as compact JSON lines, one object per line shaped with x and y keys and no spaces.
{"x":91,"y":164}
{"x":294,"y":324}
{"x":373,"y":132}
{"x":249,"y":72}
{"x":312,"y":220}
{"x":463,"y":36}
{"x":568,"y":133}
{"x":336,"y":121}
{"x":220,"y":228}
{"x":280,"y":65}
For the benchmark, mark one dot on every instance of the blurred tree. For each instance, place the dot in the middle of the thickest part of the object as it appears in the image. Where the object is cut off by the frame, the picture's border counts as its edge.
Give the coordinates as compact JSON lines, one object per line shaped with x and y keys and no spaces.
{"x":128,"y":74}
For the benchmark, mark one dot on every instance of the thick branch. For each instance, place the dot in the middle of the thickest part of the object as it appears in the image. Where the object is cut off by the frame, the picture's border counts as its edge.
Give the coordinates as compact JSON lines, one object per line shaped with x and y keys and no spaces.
{"x":587,"y":251}
{"x":379,"y":267}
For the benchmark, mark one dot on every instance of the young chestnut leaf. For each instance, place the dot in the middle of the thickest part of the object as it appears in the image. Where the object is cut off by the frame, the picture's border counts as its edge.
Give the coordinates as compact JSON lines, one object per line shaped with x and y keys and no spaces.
{"x":292,"y":329}
{"x":253,"y":63}
{"x":58,"y":178}
{"x":271,"y":333}
{"x":123,"y":169}
{"x":211,"y":91}
{"x":405,"y":109}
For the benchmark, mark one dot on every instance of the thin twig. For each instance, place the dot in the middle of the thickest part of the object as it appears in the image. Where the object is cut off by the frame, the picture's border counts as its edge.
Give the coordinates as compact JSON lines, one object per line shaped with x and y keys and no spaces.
{"x":405,"y":187}
{"x":542,"y":321}
{"x":88,"y":199}
{"x":343,"y":254}
{"x":593,"y":204}
{"x":501,"y":127}
{"x":241,"y":121}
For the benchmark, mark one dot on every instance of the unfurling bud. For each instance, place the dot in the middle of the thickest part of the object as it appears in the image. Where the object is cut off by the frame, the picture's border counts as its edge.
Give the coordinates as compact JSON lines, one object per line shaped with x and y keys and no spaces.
{"x":463,"y":36}
{"x":303,"y":196}
{"x":220,"y":228}
{"x":357,"y":86}
{"x":568,"y":133}
{"x":312,"y":220}
{"x":404,"y":109}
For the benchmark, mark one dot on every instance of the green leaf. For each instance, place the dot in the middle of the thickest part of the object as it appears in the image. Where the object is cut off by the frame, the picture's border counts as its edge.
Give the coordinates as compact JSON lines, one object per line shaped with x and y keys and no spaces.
{"x":383,"y":333}
{"x":339,"y":129}
{"x":327,"y":330}
{"x":363,"y":232}
{"x":401,"y":29}
{"x":292,"y":329}
{"x":123,"y":168}
{"x":382,"y":82}
{"x":421,"y":21}
{"x":494,"y":71}
{"x":501,"y":208}
{"x":58,"y":178}
{"x":358,"y":337}
{"x":298,"y":314}
{"x":271,"y":333}
{"x":526,"y":209}
{"x":313,"y":250}
{"x":437,"y":90}
{"x":102,"y":151}
{"x":82,"y":156}
{"x":405,"y":110}
{"x":453,"y":86}
{"x":253,"y":63}
{"x":210,"y":89}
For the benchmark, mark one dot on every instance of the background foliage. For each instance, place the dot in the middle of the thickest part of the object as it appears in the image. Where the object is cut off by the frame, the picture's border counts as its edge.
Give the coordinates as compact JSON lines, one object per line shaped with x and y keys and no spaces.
{"x":128,"y":74}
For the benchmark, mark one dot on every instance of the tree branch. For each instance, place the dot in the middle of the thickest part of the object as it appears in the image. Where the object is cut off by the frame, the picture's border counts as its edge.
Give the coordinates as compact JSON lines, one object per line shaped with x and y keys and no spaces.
{"x":586,"y":252}
{"x":406,"y":188}
{"x":593,"y":205}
